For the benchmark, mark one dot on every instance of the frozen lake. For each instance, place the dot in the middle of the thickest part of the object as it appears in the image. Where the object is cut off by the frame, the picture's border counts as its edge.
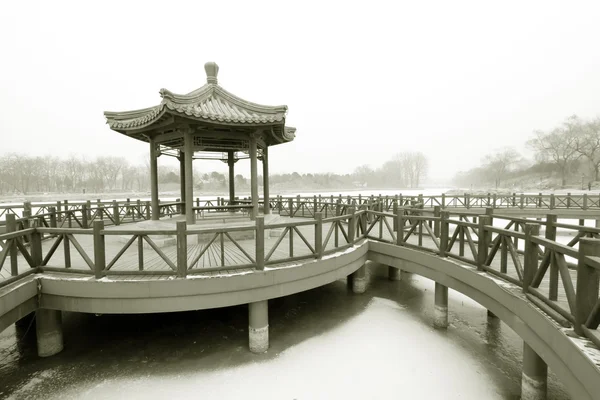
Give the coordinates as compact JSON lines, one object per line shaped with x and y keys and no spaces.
{"x":326,"y":343}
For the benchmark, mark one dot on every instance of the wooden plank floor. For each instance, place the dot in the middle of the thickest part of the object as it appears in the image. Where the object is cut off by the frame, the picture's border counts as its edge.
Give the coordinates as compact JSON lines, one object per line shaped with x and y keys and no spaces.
{"x":233,"y":256}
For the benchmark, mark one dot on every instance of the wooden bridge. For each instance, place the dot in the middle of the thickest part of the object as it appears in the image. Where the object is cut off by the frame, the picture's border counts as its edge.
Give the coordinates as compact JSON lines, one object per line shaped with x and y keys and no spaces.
{"x":502,"y":251}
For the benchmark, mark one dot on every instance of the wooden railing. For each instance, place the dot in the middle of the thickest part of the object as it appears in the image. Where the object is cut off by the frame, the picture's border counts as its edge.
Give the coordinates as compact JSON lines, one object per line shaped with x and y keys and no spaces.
{"x":514,"y":251}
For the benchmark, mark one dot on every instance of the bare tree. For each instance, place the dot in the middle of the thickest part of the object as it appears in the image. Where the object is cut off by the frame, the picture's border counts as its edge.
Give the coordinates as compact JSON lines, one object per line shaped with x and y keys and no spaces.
{"x":498,"y":164}
{"x":558,"y":146}
{"x":588,"y":141}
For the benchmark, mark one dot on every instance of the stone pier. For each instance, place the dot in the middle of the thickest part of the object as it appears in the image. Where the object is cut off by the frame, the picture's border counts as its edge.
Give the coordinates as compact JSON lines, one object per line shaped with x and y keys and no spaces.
{"x":49,"y":332}
{"x":394,"y":274}
{"x":258,"y":327}
{"x":440,"y":315}
{"x":359,"y":280}
{"x":535,"y":375}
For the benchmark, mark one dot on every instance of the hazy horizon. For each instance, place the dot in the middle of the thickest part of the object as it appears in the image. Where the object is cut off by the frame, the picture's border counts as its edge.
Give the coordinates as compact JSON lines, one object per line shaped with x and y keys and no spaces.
{"x":452,"y":80}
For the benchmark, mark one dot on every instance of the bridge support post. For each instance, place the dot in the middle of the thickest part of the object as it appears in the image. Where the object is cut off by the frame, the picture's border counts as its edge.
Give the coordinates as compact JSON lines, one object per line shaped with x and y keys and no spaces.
{"x":49,"y":332}
{"x":440,"y":315}
{"x":394,"y":274}
{"x":535,"y":375}
{"x":359,"y":280}
{"x":258,"y":327}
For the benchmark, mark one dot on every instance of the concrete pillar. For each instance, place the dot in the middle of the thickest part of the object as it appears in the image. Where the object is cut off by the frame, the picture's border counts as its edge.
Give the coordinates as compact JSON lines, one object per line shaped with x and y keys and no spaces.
{"x":182,"y":177}
{"x":188,"y":155}
{"x":394,"y":274}
{"x":230,"y":164}
{"x":440,"y":314}
{"x":267,"y":207}
{"x":535,"y":375}
{"x":154,"y":179}
{"x":49,"y":332}
{"x":359,"y":280}
{"x":258,"y":327}
{"x":253,"y":175}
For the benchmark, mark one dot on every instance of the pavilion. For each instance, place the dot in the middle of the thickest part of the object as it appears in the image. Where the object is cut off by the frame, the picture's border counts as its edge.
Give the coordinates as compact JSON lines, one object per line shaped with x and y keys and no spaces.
{"x":208,"y":123}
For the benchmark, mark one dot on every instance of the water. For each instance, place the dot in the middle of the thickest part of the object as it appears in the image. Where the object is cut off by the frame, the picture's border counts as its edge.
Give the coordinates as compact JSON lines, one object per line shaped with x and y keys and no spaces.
{"x":326,"y":343}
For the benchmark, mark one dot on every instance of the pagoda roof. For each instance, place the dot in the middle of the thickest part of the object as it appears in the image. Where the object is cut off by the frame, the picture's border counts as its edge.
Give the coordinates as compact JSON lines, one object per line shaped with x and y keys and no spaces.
{"x":210,"y":104}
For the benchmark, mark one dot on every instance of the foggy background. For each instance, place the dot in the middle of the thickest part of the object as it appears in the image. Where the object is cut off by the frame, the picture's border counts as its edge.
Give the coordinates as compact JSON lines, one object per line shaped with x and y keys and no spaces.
{"x":363,"y":81}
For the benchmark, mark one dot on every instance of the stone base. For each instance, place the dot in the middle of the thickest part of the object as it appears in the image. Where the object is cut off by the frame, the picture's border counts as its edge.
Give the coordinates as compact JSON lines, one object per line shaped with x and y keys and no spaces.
{"x":258,"y":339}
{"x":394,"y":274}
{"x":440,"y":317}
{"x":532,"y":388}
{"x":49,"y":332}
{"x":359,"y":285}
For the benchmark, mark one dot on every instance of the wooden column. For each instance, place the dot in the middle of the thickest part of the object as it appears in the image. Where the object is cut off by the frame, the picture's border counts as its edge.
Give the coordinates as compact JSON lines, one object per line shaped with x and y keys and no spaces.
{"x":253,"y":175}
{"x":182,"y":176}
{"x":230,"y":164}
{"x":190,"y":217}
{"x":154,"y":179}
{"x":267,"y":207}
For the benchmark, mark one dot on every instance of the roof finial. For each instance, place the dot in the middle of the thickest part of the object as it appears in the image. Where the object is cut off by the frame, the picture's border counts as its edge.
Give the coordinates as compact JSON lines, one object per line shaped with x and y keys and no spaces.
{"x":212,"y":70}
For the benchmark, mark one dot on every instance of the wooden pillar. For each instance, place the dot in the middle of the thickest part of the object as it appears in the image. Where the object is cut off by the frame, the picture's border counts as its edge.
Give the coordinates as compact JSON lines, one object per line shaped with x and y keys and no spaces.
{"x":154,"y":179}
{"x":48,"y":325}
{"x":253,"y":175}
{"x":230,"y":164}
{"x":267,"y":207}
{"x":182,"y":177}
{"x":258,"y":326}
{"x":190,"y":217}
{"x":535,"y":375}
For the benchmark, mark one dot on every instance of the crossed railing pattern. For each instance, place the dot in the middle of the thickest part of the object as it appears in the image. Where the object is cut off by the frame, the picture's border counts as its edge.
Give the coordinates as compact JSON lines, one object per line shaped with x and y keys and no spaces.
{"x":561,"y":279}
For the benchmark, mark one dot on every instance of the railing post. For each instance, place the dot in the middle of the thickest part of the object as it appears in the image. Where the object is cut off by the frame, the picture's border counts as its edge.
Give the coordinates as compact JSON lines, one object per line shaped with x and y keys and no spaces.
{"x":444,"y":231}
{"x":11,"y":226}
{"x":84,"y":216}
{"x":395,"y":212}
{"x":568,"y":200}
{"x":148,"y":208}
{"x":530,"y":261}
{"x":436,"y":223}
{"x":585,"y":201}
{"x":494,"y":198}
{"x":400,"y":227}
{"x":539,"y":202}
{"x":36,"y":248}
{"x":552,"y":201}
{"x":318,"y":235}
{"x":514,"y":199}
{"x":521,"y":200}
{"x":53,"y":221}
{"x":116,"y":216}
{"x":181,"y":249}
{"x":586,"y":295}
{"x":291,"y":206}
{"x":59,"y":210}
{"x":467,"y":200}
{"x":443,"y":200}
{"x":551,"y":235}
{"x":482,"y":243}
{"x":99,"y":250}
{"x":89,"y":210}
{"x":260,"y":242}
{"x":351,"y":225}
{"x":337,"y":208}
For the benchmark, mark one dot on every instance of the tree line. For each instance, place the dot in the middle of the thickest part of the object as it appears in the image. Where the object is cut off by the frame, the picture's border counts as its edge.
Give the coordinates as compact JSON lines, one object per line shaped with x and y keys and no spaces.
{"x":570,"y":151}
{"x":23,"y":174}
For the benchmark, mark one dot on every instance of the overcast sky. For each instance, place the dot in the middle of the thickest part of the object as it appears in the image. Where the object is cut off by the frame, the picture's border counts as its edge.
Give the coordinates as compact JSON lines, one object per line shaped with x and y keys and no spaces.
{"x":362,"y":80}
